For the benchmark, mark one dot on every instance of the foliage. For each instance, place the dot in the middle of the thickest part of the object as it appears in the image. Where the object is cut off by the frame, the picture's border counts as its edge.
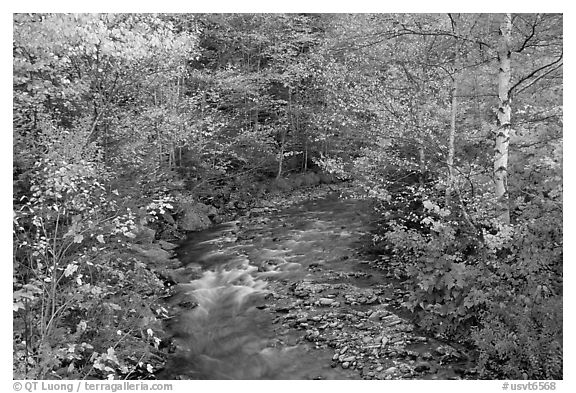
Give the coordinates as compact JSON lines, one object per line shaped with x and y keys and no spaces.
{"x":116,"y":116}
{"x":505,"y":284}
{"x":82,"y":303}
{"x":71,"y":293}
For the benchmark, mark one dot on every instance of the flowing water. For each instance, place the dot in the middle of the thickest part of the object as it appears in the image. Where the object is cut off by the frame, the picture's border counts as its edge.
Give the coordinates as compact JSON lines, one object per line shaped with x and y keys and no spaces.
{"x":281,"y":294}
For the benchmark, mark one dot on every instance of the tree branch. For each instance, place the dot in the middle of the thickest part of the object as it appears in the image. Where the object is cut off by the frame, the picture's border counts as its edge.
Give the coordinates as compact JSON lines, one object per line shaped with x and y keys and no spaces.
{"x":533,"y":73}
{"x":540,"y":77}
{"x":527,"y":39}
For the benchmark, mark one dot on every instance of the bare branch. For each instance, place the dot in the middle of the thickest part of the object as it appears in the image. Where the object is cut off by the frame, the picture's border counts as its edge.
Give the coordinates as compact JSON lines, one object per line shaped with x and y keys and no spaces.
{"x":533,"y":73}
{"x":540,"y":77}
{"x":529,"y":37}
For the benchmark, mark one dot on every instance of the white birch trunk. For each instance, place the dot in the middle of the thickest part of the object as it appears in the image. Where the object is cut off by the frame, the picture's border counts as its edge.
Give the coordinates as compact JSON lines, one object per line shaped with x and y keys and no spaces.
{"x":503,"y":130}
{"x":451,"y":139}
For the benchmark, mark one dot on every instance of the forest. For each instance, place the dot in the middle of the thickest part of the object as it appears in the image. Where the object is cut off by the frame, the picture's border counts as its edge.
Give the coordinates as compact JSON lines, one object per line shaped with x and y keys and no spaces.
{"x":136,"y":134}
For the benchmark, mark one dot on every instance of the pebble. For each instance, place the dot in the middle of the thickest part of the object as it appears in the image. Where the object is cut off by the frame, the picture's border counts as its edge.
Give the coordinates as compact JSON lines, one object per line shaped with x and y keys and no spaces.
{"x":444,"y":350}
{"x":324,"y":301}
{"x":404,"y":368}
{"x":427,"y":356}
{"x":345,"y":365}
{"x":375,"y":316}
{"x":391,"y":370}
{"x":422,"y":366}
{"x":379,"y":368}
{"x":343,"y":350}
{"x":349,"y":359}
{"x":167,"y":245}
{"x":372,"y":300}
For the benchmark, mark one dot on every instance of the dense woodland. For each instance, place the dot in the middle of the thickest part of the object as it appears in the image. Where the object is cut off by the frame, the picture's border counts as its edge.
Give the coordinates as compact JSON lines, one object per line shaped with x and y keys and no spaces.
{"x":451,"y":123}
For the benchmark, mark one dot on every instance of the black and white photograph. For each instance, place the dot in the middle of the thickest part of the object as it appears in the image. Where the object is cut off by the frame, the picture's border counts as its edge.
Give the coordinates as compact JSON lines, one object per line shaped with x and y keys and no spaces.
{"x":286,"y":196}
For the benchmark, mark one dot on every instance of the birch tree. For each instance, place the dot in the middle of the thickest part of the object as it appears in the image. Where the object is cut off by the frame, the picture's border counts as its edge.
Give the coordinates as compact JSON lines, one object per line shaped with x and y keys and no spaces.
{"x":502,"y":136}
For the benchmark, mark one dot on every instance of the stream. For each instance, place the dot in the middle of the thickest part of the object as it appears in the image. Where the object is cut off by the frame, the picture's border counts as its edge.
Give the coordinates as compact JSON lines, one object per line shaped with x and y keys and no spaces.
{"x":286,"y":293}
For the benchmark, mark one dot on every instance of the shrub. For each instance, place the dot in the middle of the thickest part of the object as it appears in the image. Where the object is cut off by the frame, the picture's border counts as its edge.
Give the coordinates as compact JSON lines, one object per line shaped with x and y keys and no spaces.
{"x":521,"y":342}
{"x":79,"y":307}
{"x":505,"y":285}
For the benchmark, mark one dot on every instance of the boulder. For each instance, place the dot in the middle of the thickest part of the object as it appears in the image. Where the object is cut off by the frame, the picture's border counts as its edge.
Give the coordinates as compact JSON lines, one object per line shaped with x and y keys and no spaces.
{"x":314,"y":178}
{"x":194,"y":217}
{"x":155,"y":256}
{"x":167,"y":245}
{"x":209,"y":210}
{"x":282,"y":184}
{"x":298,"y":181}
{"x":310,"y":179}
{"x":326,"y":178}
{"x":168,"y":218}
{"x":422,"y":366}
{"x":144,"y":235}
{"x":307,"y":180}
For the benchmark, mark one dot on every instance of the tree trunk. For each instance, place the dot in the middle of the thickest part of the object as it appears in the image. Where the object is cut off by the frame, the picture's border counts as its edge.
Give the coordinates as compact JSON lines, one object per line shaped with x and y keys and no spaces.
{"x":422,"y":157}
{"x":451,"y":138}
{"x":281,"y":157}
{"x":305,"y":166}
{"x":283,"y":140}
{"x":257,"y":110}
{"x":502,"y":136}
{"x":421,"y":152}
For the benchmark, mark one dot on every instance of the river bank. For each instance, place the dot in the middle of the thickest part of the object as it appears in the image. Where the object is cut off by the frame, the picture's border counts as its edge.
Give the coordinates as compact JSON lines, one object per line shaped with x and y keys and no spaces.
{"x":287,"y":293}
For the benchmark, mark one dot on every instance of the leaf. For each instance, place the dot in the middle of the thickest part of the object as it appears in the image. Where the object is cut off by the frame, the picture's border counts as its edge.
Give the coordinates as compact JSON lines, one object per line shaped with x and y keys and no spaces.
{"x":78,"y":238}
{"x":32,"y":288}
{"x":428,"y":205}
{"x":82,"y":325}
{"x":70,"y":269}
{"x":444,"y":212}
{"x":100,"y":238}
